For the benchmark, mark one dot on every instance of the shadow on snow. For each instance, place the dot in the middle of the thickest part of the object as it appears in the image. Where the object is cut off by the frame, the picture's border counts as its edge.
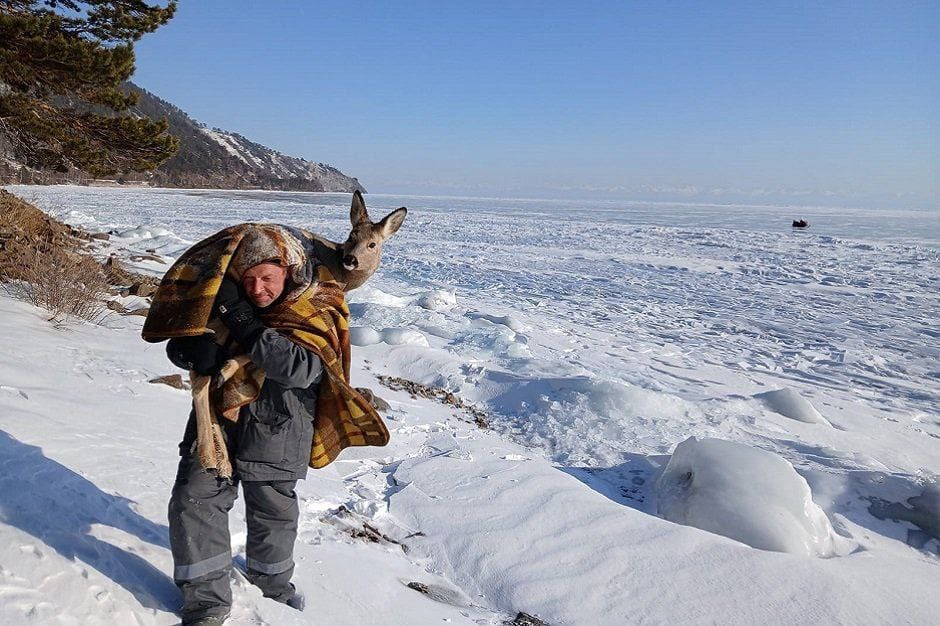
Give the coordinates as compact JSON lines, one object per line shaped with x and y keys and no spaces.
{"x":59,"y":507}
{"x":629,"y":484}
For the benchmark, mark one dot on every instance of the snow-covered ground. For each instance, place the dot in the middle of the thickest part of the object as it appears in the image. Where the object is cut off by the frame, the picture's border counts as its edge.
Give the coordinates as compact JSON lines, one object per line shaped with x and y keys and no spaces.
{"x":596,"y":337}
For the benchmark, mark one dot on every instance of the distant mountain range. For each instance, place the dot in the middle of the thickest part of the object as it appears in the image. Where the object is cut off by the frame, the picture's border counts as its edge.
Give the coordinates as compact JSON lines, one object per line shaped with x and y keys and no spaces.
{"x":208,"y":158}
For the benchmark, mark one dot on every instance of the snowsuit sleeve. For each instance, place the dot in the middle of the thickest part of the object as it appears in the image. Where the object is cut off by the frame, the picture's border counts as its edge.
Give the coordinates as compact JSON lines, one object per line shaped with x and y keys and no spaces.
{"x":285,"y":362}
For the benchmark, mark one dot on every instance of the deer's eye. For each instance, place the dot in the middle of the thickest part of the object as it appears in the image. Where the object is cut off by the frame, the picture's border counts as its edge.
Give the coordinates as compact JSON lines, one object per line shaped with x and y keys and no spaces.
{"x":372,"y":245}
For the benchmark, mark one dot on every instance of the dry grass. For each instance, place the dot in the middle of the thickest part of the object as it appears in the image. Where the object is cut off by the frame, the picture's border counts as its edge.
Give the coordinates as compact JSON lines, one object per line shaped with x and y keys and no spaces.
{"x":39,"y":261}
{"x":64,"y":283}
{"x":26,"y":221}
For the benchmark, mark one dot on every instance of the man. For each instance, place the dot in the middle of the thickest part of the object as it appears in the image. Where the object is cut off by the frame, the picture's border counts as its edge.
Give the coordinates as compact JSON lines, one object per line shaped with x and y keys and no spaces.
{"x":269,"y":446}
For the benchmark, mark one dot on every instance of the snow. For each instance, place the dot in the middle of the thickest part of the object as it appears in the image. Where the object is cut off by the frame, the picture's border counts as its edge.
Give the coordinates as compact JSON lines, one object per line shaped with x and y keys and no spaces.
{"x":233,"y":147}
{"x":747,"y":494}
{"x":364,"y":336}
{"x":789,"y":403}
{"x":596,"y":338}
{"x":437,"y":299}
{"x":404,"y":337}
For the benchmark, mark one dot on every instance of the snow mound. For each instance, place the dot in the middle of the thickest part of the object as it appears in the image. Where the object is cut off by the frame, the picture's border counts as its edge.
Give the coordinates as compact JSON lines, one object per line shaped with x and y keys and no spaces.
{"x":370,"y":295}
{"x":368,"y":336}
{"x":404,"y":336}
{"x":580,"y":419}
{"x":437,"y":300}
{"x":789,"y":403}
{"x":747,"y":494}
{"x":505,"y":320}
{"x":364,"y":336}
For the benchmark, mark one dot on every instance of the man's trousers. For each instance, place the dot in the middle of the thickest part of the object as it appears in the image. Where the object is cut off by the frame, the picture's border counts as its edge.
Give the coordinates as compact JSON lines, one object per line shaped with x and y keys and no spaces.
{"x":200,"y":542}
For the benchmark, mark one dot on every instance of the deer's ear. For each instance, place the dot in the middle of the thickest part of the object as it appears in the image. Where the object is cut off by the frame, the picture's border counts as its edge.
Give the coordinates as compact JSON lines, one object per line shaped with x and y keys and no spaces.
{"x":358,"y":213}
{"x":391,"y":223}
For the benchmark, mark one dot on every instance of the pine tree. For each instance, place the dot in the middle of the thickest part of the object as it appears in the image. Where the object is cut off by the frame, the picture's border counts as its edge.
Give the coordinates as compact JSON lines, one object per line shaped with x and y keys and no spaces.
{"x":61,"y":66}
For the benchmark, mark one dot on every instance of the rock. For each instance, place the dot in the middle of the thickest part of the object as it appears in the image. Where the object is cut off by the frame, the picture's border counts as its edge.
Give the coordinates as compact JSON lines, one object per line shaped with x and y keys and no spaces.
{"x":115,"y":272}
{"x":114,"y":305}
{"x":77,"y":233}
{"x":436,"y":393}
{"x":101,"y":236}
{"x":142,"y":289}
{"x":173,"y":380}
{"x":419,"y":587}
{"x":524,"y":619}
{"x":377,"y":403}
{"x":147,"y":257}
{"x":442,"y":594}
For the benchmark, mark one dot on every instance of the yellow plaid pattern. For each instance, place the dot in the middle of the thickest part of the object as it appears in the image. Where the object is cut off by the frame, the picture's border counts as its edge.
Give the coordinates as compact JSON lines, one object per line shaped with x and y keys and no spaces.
{"x":317,"y":319}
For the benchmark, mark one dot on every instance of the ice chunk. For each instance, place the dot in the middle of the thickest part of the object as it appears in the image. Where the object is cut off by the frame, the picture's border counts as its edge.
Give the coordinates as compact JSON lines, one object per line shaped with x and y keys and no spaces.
{"x":747,"y":494}
{"x":77,"y":218}
{"x":145,"y":232}
{"x":790,"y":404}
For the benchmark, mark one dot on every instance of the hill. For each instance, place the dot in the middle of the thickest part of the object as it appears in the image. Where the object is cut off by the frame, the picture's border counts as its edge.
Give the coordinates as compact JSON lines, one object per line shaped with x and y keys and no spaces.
{"x":209,"y":158}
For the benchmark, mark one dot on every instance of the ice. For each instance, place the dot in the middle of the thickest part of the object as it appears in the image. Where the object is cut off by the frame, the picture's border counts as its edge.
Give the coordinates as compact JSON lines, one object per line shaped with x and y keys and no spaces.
{"x":144,"y":232}
{"x":78,"y":218}
{"x":748,"y":494}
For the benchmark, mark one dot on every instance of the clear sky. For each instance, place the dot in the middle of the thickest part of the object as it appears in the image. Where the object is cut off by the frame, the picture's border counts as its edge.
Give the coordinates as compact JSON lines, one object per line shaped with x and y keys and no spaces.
{"x":800,"y":102}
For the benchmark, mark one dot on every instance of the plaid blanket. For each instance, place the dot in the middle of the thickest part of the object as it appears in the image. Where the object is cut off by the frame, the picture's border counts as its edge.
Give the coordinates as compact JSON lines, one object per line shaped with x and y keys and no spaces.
{"x":313,"y":314}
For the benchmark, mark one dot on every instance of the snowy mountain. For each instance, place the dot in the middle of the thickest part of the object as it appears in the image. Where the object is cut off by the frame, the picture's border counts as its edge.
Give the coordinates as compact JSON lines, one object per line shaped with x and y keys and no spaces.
{"x":214,"y":158}
{"x":208,"y":158}
{"x":271,"y":165}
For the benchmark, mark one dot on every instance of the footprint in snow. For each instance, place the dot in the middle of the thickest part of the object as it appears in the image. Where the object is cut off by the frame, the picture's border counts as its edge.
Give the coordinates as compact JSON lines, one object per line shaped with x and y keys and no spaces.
{"x":10,"y":389}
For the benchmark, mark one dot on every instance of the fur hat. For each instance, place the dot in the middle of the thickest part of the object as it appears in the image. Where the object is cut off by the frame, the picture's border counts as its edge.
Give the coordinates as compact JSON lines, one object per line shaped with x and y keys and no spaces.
{"x":269,"y":243}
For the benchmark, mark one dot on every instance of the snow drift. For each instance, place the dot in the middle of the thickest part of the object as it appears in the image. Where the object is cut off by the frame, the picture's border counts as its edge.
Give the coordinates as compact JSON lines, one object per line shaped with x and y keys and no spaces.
{"x":747,"y":494}
{"x":789,"y":403}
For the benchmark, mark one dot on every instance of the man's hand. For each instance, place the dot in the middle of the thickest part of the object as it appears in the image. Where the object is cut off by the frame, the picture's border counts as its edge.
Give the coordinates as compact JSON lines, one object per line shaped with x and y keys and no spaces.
{"x":238,"y":315}
{"x":200,"y":354}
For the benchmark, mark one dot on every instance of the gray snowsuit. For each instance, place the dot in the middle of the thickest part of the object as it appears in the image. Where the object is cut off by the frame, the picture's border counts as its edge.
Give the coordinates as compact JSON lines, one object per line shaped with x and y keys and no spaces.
{"x":270,"y":448}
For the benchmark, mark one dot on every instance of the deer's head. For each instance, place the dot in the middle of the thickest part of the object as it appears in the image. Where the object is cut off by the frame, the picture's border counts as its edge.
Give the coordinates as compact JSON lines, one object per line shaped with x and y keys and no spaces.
{"x":362,"y":250}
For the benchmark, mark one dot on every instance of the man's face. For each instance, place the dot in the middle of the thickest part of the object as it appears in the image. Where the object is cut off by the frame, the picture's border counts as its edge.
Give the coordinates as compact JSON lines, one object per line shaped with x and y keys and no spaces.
{"x":264,"y":283}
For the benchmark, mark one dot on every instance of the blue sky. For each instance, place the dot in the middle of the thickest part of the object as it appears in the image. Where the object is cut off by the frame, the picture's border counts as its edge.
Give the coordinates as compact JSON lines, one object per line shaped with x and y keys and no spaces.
{"x":745,"y":101}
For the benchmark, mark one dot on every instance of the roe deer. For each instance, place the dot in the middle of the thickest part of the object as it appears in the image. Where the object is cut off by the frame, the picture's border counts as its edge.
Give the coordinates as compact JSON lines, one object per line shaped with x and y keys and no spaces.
{"x":356,"y":259}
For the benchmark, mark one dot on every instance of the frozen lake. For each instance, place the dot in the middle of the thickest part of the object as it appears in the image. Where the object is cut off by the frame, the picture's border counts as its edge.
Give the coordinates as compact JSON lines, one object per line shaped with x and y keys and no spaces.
{"x":597,"y":339}
{"x":643,"y":323}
